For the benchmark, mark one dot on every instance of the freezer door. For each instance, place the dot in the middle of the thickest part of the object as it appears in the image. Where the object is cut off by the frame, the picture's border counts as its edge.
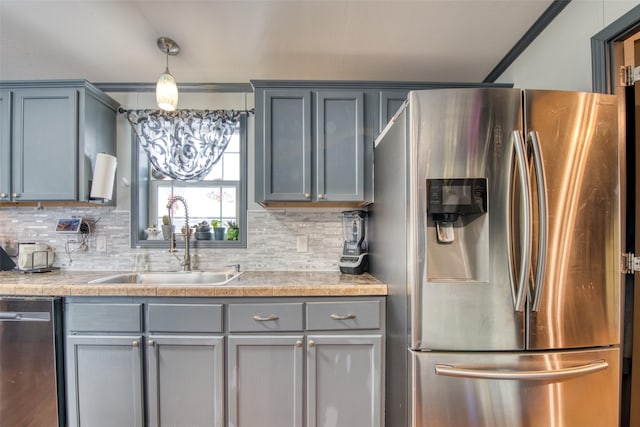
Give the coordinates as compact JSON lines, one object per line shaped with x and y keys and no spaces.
{"x":564,"y":389}
{"x":576,"y":300}
{"x":461,"y":290}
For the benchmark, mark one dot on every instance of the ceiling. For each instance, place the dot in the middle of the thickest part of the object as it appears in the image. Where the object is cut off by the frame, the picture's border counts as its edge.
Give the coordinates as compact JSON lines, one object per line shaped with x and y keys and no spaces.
{"x":234,"y":41}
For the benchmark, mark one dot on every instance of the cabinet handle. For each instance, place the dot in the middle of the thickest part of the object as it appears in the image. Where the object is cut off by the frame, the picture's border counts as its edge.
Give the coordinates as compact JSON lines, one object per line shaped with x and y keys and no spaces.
{"x":298,"y":343}
{"x":342,"y":316}
{"x":265,"y":319}
{"x":151,"y":343}
{"x":321,"y":196}
{"x":3,"y":195}
{"x":15,"y":195}
{"x":135,"y":344}
{"x":307,"y":195}
{"x":312,"y":343}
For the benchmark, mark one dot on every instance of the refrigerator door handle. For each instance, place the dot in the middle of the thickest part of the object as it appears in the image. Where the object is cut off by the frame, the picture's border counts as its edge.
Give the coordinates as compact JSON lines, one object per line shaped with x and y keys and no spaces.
{"x":542,"y":219}
{"x":525,"y":259}
{"x":557,"y":374}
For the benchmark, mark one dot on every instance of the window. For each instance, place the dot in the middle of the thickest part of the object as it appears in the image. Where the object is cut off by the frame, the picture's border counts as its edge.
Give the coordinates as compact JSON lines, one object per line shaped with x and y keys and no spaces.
{"x":221,"y":196}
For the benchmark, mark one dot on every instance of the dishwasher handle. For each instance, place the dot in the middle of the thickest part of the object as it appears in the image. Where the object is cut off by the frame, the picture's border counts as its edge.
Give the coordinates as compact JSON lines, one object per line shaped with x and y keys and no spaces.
{"x":25,"y":316}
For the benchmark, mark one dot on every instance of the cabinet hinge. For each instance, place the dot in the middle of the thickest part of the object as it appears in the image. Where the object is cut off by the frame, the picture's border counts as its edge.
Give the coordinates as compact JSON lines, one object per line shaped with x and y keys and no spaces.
{"x":629,"y":75}
{"x":630,"y":263}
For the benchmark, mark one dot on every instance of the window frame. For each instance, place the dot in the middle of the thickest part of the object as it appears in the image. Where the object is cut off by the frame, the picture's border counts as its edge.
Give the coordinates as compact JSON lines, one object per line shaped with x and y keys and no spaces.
{"x":140,"y":192}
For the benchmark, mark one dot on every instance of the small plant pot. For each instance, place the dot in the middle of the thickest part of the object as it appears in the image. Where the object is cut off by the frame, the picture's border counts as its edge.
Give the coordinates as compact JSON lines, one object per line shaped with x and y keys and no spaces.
{"x":203,"y":235}
{"x":232,"y":233}
{"x":218,"y":233}
{"x":166,"y":231}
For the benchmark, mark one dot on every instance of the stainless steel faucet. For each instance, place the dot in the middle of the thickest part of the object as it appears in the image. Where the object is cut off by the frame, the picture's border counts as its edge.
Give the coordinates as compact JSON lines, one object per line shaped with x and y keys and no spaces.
{"x":186,"y":263}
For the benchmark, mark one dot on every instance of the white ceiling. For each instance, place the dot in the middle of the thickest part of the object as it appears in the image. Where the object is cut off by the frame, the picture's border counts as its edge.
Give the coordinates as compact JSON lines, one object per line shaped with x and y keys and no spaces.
{"x":234,"y":41}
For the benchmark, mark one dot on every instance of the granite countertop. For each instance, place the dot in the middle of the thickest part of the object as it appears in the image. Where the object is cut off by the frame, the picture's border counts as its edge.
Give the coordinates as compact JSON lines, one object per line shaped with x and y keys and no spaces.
{"x":249,"y":284}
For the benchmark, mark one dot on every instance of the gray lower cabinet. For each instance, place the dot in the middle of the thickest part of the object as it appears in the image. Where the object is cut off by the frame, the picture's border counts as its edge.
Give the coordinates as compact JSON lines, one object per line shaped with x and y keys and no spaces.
{"x":104,"y":381}
{"x":185,"y":380}
{"x":50,"y":134}
{"x":179,"y":348}
{"x":329,"y":374}
{"x":234,"y":362}
{"x":344,"y":381}
{"x":265,"y":380}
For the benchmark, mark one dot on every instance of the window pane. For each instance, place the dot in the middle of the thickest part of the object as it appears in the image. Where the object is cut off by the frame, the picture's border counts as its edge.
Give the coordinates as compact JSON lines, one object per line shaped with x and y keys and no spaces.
{"x":232,"y":167}
{"x":229,"y":198}
{"x":216,"y":171}
{"x":234,"y":144}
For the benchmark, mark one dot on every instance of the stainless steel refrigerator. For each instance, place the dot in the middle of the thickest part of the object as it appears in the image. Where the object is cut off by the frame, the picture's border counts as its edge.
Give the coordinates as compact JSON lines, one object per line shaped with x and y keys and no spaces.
{"x":496,"y":223}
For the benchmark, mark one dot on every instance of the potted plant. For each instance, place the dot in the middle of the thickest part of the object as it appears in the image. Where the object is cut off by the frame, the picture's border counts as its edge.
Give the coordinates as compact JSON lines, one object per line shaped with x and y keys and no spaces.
{"x":167,"y":229}
{"x":218,"y":229}
{"x":203,"y":231}
{"x":233,"y":231}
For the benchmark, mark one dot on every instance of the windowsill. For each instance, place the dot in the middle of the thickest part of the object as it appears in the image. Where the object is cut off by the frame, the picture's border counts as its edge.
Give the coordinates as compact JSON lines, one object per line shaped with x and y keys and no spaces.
{"x":193,"y":243}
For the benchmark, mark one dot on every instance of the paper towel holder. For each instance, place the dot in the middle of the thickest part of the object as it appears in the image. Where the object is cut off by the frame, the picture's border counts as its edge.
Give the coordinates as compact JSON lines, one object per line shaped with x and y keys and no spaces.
{"x":104,"y":174}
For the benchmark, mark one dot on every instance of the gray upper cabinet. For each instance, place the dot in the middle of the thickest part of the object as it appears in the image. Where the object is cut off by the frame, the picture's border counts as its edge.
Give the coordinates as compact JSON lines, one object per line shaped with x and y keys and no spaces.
{"x":390,"y":102}
{"x":313,"y":145}
{"x":285,"y":146}
{"x":339,"y":146}
{"x":44,"y":144}
{"x":51,"y":133}
{"x":5,"y":144}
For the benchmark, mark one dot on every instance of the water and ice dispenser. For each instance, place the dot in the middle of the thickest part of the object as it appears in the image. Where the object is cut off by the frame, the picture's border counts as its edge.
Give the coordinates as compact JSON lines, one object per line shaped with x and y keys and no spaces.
{"x":457,"y":229}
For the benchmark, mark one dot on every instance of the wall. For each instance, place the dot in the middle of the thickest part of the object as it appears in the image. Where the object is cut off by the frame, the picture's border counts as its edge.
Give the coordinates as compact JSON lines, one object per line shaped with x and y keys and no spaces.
{"x":560,"y":57}
{"x":271,"y":234}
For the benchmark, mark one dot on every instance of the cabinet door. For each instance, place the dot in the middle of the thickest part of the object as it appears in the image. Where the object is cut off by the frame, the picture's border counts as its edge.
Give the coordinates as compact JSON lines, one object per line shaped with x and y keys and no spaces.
{"x":44,"y":144}
{"x":339,"y":146}
{"x":390,"y":102}
{"x":344,"y":381}
{"x":265,"y":381}
{"x":104,"y":381}
{"x":287,"y":145}
{"x":185,"y":377}
{"x":5,"y":145}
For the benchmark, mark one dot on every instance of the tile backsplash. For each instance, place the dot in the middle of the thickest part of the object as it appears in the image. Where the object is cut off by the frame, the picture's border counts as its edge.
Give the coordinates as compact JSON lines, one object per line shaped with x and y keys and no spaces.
{"x":272,"y":240}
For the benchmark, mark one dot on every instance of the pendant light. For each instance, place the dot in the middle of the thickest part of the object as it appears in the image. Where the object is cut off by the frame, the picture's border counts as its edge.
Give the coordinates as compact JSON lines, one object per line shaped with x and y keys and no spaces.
{"x":166,"y":88}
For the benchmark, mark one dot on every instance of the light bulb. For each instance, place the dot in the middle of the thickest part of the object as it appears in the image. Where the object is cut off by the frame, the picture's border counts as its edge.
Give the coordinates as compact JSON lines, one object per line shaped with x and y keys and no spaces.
{"x":167,"y":91}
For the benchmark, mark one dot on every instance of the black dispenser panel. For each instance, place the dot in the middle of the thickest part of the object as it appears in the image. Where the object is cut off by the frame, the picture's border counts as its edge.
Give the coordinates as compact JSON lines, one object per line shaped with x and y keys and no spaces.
{"x":449,"y":198}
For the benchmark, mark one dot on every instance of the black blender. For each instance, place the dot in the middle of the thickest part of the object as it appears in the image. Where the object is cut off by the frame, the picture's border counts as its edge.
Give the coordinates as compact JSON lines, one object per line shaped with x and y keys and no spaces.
{"x":354,"y":259}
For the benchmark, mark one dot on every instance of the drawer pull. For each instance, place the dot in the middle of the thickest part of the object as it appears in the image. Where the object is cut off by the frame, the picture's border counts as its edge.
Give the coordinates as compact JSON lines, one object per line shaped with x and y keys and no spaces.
{"x":135,"y":344}
{"x":298,"y":344}
{"x":342,"y":316}
{"x":312,"y":343}
{"x":151,"y":343}
{"x":266,"y":319}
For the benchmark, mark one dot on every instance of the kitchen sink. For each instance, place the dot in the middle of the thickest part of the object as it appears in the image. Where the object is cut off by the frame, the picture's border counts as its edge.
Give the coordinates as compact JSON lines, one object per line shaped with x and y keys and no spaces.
{"x":177,"y":278}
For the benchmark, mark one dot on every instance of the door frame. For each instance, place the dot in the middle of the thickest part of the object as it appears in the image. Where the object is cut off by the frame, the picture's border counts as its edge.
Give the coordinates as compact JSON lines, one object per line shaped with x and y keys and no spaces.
{"x":603,"y":74}
{"x":605,"y":48}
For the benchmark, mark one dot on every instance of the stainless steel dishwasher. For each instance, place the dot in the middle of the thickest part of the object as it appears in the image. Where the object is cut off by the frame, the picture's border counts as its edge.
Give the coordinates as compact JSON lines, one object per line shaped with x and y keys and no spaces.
{"x":31,"y":380}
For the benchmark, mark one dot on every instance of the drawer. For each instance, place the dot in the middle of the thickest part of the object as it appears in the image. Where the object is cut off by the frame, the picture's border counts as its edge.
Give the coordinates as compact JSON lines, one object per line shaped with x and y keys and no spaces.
{"x":184,"y":317}
{"x":96,"y":317}
{"x":265,"y":317}
{"x":343,"y":315}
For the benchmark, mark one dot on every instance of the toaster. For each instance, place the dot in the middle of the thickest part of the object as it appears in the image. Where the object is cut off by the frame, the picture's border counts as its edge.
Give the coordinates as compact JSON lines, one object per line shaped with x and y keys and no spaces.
{"x":32,"y":256}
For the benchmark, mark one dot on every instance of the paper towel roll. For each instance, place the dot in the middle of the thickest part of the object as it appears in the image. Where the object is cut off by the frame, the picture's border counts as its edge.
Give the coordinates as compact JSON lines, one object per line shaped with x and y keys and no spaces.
{"x":104,"y":174}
